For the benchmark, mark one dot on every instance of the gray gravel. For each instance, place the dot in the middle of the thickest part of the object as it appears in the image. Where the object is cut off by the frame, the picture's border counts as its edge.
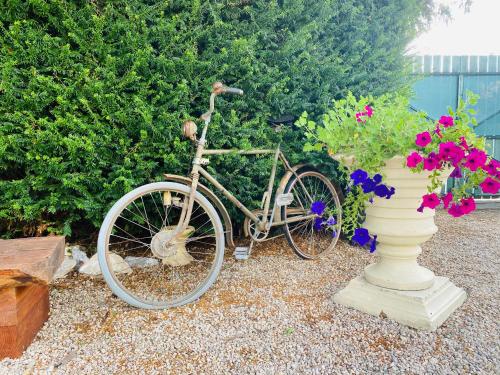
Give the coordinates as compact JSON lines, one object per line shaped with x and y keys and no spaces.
{"x":274,"y":314}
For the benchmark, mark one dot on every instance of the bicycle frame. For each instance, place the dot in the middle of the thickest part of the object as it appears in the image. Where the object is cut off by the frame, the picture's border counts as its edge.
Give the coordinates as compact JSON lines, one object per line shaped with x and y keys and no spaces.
{"x":197,"y":170}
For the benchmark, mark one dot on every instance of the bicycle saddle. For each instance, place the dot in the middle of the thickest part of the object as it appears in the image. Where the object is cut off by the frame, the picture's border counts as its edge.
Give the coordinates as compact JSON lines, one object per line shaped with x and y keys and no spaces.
{"x":283,"y":120}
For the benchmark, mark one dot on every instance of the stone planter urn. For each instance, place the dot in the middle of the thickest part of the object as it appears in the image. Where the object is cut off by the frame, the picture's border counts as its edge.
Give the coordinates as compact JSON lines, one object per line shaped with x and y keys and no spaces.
{"x":396,"y":284}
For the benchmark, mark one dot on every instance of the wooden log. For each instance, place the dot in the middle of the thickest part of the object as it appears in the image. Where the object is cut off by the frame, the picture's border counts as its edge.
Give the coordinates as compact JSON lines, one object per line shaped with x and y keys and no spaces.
{"x":24,"y":308}
{"x":38,"y":256}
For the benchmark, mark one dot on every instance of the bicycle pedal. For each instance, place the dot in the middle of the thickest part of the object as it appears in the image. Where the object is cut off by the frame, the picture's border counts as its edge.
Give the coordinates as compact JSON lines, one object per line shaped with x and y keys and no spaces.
{"x":242,"y":252}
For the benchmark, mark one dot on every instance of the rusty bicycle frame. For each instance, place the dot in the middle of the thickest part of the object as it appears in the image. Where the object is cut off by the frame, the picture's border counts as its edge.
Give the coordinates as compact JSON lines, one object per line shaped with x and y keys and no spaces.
{"x":264,"y":224}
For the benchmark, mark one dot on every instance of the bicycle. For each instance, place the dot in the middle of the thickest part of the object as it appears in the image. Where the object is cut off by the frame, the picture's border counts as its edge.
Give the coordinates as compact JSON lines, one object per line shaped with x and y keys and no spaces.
{"x":174,"y":227}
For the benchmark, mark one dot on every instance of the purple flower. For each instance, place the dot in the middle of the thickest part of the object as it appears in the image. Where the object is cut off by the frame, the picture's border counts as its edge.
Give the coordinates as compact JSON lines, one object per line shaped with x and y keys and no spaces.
{"x":390,"y":193}
{"x":377,"y":178}
{"x":373,"y":245}
{"x":331,"y":221}
{"x":361,"y":236}
{"x":318,"y":207}
{"x":381,"y":191}
{"x":359,"y":176}
{"x":334,"y":233}
{"x":318,"y":222}
{"x":368,"y":185}
{"x":456,"y":173}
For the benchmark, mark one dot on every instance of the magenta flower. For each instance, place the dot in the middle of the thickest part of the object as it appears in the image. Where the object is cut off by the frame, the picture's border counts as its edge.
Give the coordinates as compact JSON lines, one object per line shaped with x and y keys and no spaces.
{"x":456,"y":173}
{"x":446,"y":150}
{"x":430,"y":200}
{"x":423,"y":139}
{"x":490,"y":186}
{"x":464,"y":144}
{"x":437,"y":131}
{"x":492,"y":167}
{"x":358,"y":117}
{"x":432,"y":162}
{"x":447,"y":199}
{"x":369,"y":111}
{"x":455,"y":210}
{"x":446,"y":121}
{"x":467,"y":205}
{"x":413,"y":160}
{"x":475,"y":159}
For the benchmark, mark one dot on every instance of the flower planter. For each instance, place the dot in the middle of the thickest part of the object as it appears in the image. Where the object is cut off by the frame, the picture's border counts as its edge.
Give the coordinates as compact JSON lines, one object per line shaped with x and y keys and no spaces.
{"x":396,"y":284}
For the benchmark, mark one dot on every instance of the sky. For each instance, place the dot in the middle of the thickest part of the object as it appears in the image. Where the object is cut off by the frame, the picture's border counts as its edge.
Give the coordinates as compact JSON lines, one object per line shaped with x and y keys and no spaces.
{"x":474,"y":33}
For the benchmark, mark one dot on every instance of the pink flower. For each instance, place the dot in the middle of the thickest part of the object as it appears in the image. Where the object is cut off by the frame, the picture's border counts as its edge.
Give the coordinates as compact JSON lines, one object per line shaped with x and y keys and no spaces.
{"x":446,"y":121}
{"x":446,"y":150}
{"x":467,"y":205}
{"x":432,"y":162}
{"x":475,"y":160}
{"x":423,"y":139}
{"x":447,"y":199}
{"x":490,"y":186}
{"x":413,"y":160}
{"x":464,"y":144}
{"x":358,"y":117}
{"x":369,"y":111}
{"x":455,"y":210}
{"x":430,"y":200}
{"x":492,"y":167}
{"x":438,"y":131}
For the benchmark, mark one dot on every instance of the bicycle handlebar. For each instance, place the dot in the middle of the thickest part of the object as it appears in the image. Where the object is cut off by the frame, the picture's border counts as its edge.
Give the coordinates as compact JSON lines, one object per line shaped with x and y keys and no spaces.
{"x":219,"y":88}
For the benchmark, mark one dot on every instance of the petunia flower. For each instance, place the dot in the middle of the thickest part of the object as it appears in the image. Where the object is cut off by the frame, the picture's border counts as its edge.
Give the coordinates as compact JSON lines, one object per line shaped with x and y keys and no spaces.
{"x":373,"y":245}
{"x":368,"y":186}
{"x":432,"y":162}
{"x":476,"y":159}
{"x":381,"y":191}
{"x":437,"y":131}
{"x":361,"y":236}
{"x":413,"y":160}
{"x":456,"y":173}
{"x":359,"y":176}
{"x":448,"y":150}
{"x":447,"y":199}
{"x":430,"y":200}
{"x":463,"y":143}
{"x":318,"y":207}
{"x":369,"y":111}
{"x":490,"y":186}
{"x":377,"y":178}
{"x":467,"y":205}
{"x":318,"y":222}
{"x":492,"y":167}
{"x":423,"y":139}
{"x":455,"y":210}
{"x":331,"y":221}
{"x":446,"y":121}
{"x":391,"y":192}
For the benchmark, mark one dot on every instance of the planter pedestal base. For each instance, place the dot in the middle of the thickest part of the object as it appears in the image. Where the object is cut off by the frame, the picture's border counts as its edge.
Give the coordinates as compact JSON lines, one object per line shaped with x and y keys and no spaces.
{"x":423,"y":309}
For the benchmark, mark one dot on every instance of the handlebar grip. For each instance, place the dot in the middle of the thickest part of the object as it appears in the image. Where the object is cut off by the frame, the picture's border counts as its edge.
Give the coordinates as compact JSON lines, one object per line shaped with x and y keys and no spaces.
{"x":233,"y":90}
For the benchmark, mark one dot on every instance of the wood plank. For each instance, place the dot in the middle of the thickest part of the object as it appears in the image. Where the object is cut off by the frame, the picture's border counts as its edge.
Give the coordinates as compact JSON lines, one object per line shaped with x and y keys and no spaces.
{"x":483,"y":64}
{"x":446,"y":64}
{"x":464,"y":64}
{"x":455,"y":64}
{"x":39,"y":256}
{"x":30,"y":309}
{"x":427,"y":63}
{"x":436,"y":64}
{"x":492,"y":64}
{"x":473,"y":64}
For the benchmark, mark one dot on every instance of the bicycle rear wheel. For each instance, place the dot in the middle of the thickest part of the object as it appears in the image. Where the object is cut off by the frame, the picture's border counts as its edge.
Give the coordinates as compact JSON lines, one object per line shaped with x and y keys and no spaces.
{"x":167,"y":271}
{"x":312,"y":237}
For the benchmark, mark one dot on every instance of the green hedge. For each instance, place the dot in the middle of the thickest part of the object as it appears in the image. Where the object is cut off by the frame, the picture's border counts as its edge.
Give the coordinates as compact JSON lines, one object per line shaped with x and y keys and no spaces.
{"x":93,"y":93}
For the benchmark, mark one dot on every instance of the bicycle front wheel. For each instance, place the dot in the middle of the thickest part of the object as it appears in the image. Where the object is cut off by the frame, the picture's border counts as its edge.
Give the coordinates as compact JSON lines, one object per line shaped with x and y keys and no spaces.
{"x":313,"y":194}
{"x":166,"y":270}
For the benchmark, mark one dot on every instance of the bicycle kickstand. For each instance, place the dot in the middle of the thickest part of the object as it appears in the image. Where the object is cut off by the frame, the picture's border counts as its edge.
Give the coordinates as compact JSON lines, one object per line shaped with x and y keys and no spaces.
{"x":243,"y":252}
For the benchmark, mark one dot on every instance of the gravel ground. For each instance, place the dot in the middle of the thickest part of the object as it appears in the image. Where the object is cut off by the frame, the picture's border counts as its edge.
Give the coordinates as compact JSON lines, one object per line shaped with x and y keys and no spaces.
{"x":274,"y":314}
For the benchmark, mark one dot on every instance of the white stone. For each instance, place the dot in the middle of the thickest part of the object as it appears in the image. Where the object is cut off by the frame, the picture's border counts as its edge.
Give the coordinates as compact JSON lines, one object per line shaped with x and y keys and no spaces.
{"x":118,"y":265}
{"x":423,"y":309}
{"x":79,"y":255}
{"x":141,"y":262}
{"x":66,"y":267}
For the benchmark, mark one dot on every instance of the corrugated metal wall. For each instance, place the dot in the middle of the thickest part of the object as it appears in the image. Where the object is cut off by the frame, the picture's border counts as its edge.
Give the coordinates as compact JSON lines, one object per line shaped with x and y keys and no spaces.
{"x":445,"y":79}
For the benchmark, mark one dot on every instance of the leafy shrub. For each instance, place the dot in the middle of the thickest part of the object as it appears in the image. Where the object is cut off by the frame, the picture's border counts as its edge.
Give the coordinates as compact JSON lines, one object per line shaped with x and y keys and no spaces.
{"x":93,"y":93}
